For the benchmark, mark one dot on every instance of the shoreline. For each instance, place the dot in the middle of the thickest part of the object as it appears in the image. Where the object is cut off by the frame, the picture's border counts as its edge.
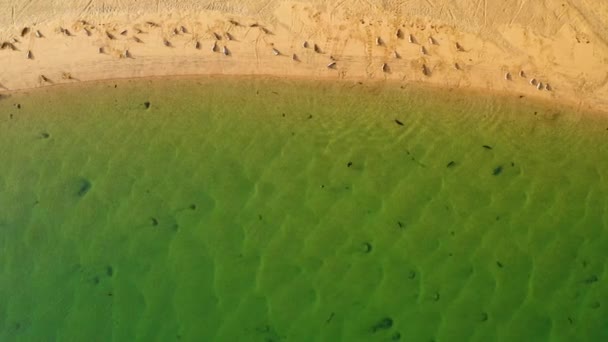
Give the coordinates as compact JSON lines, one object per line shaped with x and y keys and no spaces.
{"x":373,"y":85}
{"x":365,"y":47}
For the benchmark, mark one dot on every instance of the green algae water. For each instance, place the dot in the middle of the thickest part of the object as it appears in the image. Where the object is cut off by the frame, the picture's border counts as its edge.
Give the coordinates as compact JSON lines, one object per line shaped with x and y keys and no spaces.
{"x":274,"y":210}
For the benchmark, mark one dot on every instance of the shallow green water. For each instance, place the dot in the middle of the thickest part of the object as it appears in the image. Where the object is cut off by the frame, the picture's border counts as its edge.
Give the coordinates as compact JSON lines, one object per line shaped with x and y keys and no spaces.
{"x":227,"y":211}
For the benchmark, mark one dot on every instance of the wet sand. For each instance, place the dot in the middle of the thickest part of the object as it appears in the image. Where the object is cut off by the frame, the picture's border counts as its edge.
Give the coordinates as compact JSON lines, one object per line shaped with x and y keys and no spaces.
{"x":554,"y":51}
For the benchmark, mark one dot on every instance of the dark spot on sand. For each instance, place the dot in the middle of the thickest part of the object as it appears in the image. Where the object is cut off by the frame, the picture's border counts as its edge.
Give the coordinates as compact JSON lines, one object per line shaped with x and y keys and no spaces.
{"x":109,"y":271}
{"x":10,"y":116}
{"x":521,"y":96}
{"x":483,"y":317}
{"x":451,"y":164}
{"x":349,"y":164}
{"x":115,"y":86}
{"x":499,"y":264}
{"x":18,"y":106}
{"x":396,"y":336}
{"x":412,"y":275}
{"x":383,"y":324}
{"x":591,"y":279}
{"x":45,"y":135}
{"x":310,"y":116}
{"x":147,"y":104}
{"x":85,"y":186}
{"x":487,"y":147}
{"x":192,"y":206}
{"x":283,"y":115}
{"x":367,"y":247}
{"x":154,"y":221}
{"x":497,"y":171}
{"x":398,"y":122}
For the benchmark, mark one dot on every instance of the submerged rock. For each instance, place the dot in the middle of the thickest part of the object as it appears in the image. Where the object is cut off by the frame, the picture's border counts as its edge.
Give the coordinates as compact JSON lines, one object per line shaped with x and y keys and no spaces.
{"x":383,"y":324}
{"x":84,"y":188}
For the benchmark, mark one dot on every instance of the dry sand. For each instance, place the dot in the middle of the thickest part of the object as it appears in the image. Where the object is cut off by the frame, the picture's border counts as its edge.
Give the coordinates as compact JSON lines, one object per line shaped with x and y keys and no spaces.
{"x":456,"y":43}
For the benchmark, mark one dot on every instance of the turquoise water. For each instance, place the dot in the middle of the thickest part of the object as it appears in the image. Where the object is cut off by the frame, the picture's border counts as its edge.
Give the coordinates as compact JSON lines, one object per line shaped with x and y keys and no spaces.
{"x":275,"y":210}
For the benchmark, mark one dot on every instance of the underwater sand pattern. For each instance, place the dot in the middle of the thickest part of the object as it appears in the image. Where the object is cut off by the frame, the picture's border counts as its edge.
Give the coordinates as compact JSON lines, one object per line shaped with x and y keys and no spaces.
{"x":298,"y":211}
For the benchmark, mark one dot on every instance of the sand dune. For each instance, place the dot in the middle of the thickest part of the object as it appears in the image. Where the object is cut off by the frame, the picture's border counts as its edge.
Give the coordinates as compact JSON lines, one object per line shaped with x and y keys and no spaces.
{"x":559,"y":46}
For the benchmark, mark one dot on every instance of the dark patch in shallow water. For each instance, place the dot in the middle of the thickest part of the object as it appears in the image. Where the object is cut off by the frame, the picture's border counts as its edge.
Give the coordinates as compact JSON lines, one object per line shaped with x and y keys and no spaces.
{"x":487,"y":147}
{"x":367,"y":247}
{"x":85,"y":187}
{"x":109,"y":271}
{"x":592,"y":279}
{"x":147,"y":104}
{"x":497,"y":171}
{"x":398,"y":122}
{"x":451,"y":164}
{"x":383,"y":324}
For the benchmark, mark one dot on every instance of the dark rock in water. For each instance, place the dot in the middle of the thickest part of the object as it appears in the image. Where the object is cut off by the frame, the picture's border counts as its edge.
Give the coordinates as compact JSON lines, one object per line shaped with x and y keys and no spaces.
{"x":85,"y":186}
{"x":383,"y":324}
{"x":45,"y":135}
{"x":154,"y":221}
{"x":147,"y":104}
{"x":497,"y":171}
{"x":512,"y":164}
{"x":499,"y":264}
{"x":367,"y":247}
{"x":349,"y":164}
{"x":484,"y":317}
{"x":192,"y":206}
{"x":451,"y":164}
{"x":487,"y":147}
{"x":109,"y":271}
{"x":591,"y":279}
{"x":398,"y":122}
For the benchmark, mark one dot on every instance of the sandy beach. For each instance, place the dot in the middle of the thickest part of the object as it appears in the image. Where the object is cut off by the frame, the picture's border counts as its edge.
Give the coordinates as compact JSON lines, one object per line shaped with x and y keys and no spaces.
{"x":554,"y":50}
